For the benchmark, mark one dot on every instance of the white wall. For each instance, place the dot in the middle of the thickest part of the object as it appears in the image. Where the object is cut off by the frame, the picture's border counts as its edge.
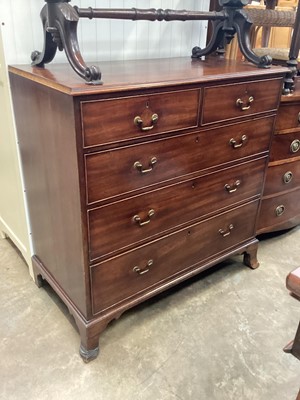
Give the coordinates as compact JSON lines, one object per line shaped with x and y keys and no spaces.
{"x":13,"y":218}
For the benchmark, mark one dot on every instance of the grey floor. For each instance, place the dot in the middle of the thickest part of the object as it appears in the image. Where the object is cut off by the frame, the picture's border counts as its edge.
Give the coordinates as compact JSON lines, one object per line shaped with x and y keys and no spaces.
{"x":218,"y":336}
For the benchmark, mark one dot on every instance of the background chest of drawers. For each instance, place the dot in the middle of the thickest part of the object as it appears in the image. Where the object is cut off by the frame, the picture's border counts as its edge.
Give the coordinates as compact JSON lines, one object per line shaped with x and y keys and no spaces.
{"x":281,"y":200}
{"x":143,"y":182}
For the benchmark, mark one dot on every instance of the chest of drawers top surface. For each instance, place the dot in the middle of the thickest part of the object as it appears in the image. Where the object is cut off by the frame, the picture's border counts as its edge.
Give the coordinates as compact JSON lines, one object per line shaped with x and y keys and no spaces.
{"x":142,"y":74}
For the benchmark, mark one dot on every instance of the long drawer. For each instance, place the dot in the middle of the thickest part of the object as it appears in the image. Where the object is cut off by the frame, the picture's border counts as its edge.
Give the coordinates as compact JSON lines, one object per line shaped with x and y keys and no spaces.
{"x":239,"y":100}
{"x":285,"y":146}
{"x":282,"y":177}
{"x":120,"y":224}
{"x":116,"y":120}
{"x":278,"y":210}
{"x":128,"y":169}
{"x":118,"y":278}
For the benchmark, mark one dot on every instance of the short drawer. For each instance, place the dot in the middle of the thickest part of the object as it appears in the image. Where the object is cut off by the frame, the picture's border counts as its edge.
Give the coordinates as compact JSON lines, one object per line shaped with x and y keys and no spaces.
{"x":127,"y":169}
{"x":288,"y":116}
{"x":285,"y":146}
{"x":277,"y":211}
{"x":116,"y":226}
{"x":240,"y":99}
{"x":121,"y":277}
{"x":117,"y":120}
{"x":282,"y":177}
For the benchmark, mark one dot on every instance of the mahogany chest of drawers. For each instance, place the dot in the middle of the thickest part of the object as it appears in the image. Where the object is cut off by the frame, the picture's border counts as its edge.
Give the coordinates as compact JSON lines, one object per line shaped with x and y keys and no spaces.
{"x":280,"y":205}
{"x":140,"y":183}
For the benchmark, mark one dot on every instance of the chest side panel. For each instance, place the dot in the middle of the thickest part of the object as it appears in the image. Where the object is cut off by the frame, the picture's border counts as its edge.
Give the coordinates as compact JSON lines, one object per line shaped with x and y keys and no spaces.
{"x":46,"y":133}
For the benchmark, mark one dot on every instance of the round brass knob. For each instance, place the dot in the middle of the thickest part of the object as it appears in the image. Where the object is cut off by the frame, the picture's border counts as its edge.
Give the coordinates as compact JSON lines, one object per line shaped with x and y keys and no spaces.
{"x":295,"y":146}
{"x":287,"y":177}
{"x":279,"y":210}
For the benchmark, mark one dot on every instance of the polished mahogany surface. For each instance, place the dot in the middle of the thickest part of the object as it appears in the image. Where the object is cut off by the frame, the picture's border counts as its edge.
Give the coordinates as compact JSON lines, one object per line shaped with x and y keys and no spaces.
{"x":138,"y":74}
{"x":167,"y":256}
{"x":282,"y":177}
{"x":177,"y":157}
{"x":173,"y":206}
{"x":173,"y":111}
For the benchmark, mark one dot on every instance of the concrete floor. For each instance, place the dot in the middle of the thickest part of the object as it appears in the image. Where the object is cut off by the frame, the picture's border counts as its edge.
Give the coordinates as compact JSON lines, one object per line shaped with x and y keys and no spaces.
{"x":218,"y":336}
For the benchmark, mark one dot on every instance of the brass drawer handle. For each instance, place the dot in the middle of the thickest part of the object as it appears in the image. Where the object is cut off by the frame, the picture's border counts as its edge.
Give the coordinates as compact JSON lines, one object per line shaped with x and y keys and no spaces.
{"x":240,"y":103}
{"x":287,"y":177}
{"x":299,"y":117}
{"x":236,"y":145}
{"x":295,"y":146}
{"x":139,"y":122}
{"x":140,"y":271}
{"x":279,"y":210}
{"x":232,"y":188}
{"x":227,"y":232}
{"x":139,"y":166}
{"x":139,"y":221}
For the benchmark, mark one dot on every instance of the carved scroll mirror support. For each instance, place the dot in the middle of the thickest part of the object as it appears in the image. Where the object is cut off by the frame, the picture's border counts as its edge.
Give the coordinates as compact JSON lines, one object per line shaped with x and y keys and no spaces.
{"x":60,"y":21}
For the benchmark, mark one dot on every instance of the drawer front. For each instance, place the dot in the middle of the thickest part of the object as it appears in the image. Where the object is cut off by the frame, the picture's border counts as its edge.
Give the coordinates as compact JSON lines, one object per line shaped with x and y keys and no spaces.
{"x":121,"y":277}
{"x":285,"y":146}
{"x":125,"y":170}
{"x":118,"y":225}
{"x":282,"y":177}
{"x":117,"y":120}
{"x":278,"y":210}
{"x":288,"y":116}
{"x":239,"y":100}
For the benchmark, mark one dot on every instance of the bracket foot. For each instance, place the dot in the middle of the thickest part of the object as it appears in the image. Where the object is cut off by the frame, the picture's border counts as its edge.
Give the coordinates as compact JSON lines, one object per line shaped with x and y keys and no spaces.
{"x":250,"y":256}
{"x":88,"y":355}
